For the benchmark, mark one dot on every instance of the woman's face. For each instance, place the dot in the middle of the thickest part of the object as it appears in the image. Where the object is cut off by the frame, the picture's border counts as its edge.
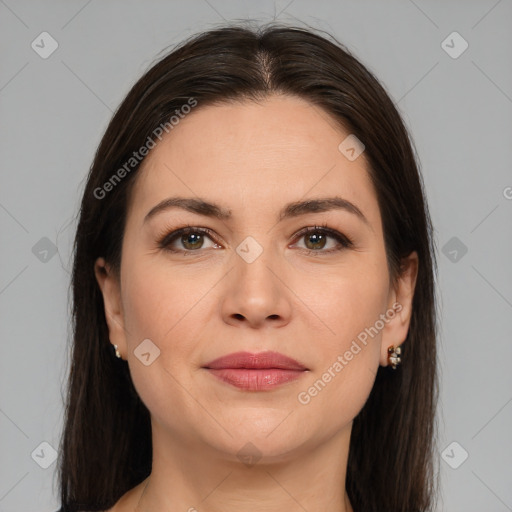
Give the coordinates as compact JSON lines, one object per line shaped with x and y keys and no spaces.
{"x":255,"y":282}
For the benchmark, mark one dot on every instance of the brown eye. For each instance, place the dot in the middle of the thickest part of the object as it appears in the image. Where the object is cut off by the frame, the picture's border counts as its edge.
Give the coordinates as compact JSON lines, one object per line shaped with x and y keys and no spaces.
{"x":317,"y":238}
{"x":191,"y":239}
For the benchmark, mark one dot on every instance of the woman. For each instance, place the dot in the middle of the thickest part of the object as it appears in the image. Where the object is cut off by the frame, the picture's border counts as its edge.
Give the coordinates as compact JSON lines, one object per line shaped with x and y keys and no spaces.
{"x":253,"y":284}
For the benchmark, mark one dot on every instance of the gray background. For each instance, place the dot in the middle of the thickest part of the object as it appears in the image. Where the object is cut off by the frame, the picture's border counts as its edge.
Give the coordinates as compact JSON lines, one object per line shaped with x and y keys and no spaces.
{"x":53,"y":113}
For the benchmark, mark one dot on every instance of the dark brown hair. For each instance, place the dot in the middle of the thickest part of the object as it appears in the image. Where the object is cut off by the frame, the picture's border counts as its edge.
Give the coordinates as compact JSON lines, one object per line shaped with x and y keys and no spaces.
{"x":106,"y":446}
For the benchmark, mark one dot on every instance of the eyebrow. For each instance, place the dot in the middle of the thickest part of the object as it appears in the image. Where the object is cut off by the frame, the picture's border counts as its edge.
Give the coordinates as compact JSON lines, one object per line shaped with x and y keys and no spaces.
{"x":290,"y":210}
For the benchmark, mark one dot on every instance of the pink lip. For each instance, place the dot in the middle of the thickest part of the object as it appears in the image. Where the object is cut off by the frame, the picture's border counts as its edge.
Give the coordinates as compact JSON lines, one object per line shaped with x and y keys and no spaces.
{"x":256,"y":372}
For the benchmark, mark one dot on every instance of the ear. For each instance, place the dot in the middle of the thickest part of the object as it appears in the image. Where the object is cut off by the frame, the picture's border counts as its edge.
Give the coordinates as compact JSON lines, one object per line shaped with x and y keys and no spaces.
{"x":110,"y":288}
{"x":400,"y":301}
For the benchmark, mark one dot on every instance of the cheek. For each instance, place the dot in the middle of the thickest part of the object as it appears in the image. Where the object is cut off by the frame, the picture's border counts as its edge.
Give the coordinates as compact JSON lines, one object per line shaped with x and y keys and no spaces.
{"x":156,"y":300}
{"x":162,"y":310}
{"x":170,"y":307}
{"x":349,"y":355}
{"x":348,"y":303}
{"x":145,"y":308}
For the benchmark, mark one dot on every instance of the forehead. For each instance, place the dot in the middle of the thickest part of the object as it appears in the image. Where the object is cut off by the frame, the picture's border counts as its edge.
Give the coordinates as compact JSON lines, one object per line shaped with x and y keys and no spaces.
{"x":252,"y":155}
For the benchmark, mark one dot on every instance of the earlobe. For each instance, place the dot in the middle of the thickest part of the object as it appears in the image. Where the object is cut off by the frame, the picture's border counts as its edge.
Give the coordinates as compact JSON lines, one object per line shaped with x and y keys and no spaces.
{"x":110,"y":289}
{"x":401,"y":301}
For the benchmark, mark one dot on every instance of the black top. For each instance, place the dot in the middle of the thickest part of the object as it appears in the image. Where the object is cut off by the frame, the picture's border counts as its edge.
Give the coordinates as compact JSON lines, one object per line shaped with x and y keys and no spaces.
{"x":61,"y":509}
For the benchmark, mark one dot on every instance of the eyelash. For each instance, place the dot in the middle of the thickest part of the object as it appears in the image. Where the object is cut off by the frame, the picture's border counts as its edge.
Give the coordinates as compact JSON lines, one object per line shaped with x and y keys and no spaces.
{"x":345,"y":242}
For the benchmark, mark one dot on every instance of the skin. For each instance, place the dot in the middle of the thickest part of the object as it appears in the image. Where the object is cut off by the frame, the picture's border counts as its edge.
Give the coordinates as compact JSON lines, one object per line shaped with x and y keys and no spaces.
{"x":252,"y":158}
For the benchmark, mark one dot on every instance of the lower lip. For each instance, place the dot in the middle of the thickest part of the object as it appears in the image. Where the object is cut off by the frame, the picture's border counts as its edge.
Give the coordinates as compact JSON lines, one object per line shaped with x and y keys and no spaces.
{"x":256,"y":379}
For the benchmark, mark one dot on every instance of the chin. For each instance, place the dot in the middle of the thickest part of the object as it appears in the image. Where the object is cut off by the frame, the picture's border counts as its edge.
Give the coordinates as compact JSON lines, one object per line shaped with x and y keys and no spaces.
{"x":268,"y":446}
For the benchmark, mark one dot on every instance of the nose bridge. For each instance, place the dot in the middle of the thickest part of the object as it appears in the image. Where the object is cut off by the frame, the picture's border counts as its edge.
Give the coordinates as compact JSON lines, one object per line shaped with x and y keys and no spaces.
{"x":253,"y":261}
{"x":255,"y":291}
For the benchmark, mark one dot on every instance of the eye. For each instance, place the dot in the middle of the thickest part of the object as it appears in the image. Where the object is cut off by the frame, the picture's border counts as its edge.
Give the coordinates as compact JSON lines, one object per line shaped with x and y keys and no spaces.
{"x":316,"y":239}
{"x":191,"y":239}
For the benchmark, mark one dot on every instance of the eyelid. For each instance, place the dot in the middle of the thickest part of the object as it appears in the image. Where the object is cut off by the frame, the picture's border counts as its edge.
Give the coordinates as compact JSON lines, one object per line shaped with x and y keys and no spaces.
{"x":341,"y":238}
{"x":170,"y":235}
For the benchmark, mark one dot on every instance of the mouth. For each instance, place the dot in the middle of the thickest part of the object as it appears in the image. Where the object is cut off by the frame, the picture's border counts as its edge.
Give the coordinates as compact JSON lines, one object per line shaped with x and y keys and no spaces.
{"x":256,"y":372}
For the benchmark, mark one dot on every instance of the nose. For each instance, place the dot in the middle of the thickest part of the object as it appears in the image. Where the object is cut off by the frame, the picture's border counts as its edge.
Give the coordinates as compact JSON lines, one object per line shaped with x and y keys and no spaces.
{"x":257,"y":293}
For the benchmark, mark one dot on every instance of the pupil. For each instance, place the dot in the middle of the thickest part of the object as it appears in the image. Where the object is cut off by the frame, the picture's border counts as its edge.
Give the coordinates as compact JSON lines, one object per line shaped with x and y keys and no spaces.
{"x":318,"y":238}
{"x":193,"y":237}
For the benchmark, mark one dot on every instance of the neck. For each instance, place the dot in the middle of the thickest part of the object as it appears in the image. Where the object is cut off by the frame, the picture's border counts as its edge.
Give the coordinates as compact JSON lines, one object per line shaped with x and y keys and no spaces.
{"x":196,"y":477}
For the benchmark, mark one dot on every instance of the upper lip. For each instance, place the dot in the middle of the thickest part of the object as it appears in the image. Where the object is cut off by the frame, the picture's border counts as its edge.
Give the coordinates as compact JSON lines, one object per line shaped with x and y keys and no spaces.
{"x":262,"y":360}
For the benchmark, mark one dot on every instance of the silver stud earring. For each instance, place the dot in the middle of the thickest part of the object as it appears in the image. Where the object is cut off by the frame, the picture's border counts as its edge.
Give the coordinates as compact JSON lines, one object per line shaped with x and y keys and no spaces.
{"x":117,"y":351}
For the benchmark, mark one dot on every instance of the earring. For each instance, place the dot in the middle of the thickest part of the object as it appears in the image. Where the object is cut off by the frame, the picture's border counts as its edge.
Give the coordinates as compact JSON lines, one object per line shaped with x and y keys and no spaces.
{"x":117,"y":351}
{"x":394,"y":356}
